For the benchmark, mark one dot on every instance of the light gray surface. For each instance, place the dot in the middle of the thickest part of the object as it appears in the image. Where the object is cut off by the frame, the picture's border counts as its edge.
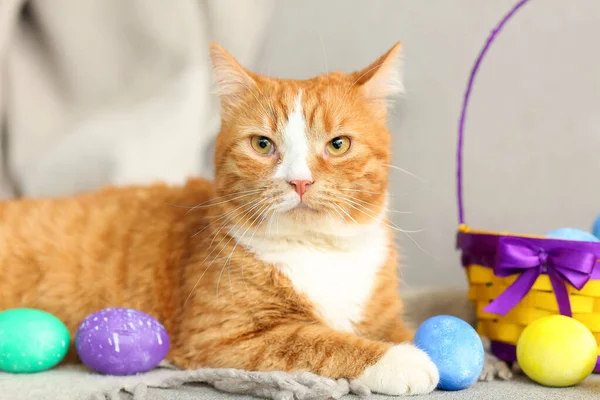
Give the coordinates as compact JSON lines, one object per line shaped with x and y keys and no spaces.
{"x":533,"y":125}
{"x":518,"y":389}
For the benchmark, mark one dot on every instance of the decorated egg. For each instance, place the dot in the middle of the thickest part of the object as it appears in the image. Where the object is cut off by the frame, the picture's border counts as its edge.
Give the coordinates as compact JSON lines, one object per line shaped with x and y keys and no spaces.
{"x":557,"y":351}
{"x":31,"y":340}
{"x":596,"y":227}
{"x":121,"y":341}
{"x":454,"y":347}
{"x":572,"y":234}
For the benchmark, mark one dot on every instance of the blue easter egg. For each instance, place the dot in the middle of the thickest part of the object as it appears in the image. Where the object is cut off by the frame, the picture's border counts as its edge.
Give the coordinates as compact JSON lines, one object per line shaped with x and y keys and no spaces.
{"x":454,"y":347}
{"x":572,"y":234}
{"x":596,"y":227}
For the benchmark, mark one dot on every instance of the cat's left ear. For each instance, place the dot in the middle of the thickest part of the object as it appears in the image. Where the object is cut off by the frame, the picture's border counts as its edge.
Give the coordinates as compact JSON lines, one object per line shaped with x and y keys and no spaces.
{"x":383,"y":78}
{"x":231,"y":78}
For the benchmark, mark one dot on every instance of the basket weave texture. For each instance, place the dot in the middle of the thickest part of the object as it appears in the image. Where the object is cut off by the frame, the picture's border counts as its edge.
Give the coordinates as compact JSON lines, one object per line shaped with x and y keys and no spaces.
{"x":486,"y":287}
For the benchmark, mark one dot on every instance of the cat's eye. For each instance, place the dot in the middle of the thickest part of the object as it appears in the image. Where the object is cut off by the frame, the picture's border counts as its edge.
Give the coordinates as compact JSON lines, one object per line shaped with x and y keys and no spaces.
{"x":262,"y":145}
{"x":338,"y":146}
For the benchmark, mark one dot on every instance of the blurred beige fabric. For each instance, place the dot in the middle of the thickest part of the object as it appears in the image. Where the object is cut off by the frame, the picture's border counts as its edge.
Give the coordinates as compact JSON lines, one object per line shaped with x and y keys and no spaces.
{"x":110,"y":91}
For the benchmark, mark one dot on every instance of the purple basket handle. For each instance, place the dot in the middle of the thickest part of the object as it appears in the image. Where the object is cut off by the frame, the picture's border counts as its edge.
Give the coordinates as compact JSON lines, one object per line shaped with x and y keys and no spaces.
{"x":463,"y":114}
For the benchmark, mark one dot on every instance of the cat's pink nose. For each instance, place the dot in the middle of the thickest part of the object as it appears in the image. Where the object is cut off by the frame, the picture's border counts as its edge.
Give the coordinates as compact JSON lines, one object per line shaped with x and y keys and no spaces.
{"x":300,"y":186}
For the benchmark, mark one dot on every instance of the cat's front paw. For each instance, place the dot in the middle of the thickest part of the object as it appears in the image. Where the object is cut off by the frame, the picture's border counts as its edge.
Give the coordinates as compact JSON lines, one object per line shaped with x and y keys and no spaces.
{"x":404,"y":369}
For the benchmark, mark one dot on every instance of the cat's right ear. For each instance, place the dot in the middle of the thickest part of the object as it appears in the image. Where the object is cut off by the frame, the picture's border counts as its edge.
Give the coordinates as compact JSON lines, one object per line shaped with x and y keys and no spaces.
{"x":383,"y":79}
{"x":231,"y":78}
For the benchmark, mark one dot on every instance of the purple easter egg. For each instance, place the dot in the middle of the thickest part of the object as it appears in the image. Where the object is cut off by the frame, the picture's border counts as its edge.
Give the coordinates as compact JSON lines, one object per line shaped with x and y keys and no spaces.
{"x":121,"y":341}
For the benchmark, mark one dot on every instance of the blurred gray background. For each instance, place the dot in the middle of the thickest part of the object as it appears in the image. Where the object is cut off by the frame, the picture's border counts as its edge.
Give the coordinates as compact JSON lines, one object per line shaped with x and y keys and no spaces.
{"x":532,"y":155}
{"x":533,"y":130}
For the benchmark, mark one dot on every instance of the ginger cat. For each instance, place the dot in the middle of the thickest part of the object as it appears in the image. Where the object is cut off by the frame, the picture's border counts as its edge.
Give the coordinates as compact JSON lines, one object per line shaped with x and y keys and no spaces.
{"x":285,"y":262}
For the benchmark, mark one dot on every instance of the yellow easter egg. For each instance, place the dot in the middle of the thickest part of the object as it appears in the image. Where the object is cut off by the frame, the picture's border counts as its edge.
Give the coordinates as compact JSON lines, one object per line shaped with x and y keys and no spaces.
{"x":557,"y":351}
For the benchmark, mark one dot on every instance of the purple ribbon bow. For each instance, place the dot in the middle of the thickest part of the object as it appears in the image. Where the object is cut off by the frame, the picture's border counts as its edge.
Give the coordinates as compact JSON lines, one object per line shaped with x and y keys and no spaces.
{"x":521,"y":256}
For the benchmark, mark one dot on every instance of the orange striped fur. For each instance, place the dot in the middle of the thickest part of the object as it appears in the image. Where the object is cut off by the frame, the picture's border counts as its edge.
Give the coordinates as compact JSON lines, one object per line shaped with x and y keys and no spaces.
{"x":202,"y":258}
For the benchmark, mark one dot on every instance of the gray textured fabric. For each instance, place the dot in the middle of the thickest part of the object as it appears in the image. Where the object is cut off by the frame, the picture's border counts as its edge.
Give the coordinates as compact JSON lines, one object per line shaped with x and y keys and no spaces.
{"x":77,"y":384}
{"x":518,"y":389}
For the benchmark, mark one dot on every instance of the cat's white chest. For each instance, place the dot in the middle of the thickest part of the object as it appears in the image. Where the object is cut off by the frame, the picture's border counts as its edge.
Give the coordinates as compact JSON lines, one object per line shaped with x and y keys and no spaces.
{"x":338,"y":283}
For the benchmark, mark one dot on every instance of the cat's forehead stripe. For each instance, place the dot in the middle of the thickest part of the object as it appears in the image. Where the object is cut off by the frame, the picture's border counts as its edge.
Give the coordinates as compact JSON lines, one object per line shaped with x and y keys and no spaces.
{"x":312,"y":114}
{"x":294,"y":165}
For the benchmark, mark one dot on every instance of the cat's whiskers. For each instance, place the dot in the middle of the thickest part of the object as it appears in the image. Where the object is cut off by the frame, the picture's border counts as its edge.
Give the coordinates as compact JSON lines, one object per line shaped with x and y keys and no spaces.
{"x":407,"y":233}
{"x":206,"y":258}
{"x":271,"y":221}
{"x":262,"y":217}
{"x":362,"y":184}
{"x":247,"y":246}
{"x":220,"y":217}
{"x":241,"y":216}
{"x":346,"y":213}
{"x":329,"y":213}
{"x":207,"y":201}
{"x":338,"y":213}
{"x":224,"y":215}
{"x":224,"y":202}
{"x":228,"y":234}
{"x":201,"y":205}
{"x":231,"y":237}
{"x":389,"y":194}
{"x":363,"y":191}
{"x":406,"y":172}
{"x":374,"y":205}
{"x":329,"y":206}
{"x":264,"y":212}
{"x":359,"y":207}
{"x":403,"y":231}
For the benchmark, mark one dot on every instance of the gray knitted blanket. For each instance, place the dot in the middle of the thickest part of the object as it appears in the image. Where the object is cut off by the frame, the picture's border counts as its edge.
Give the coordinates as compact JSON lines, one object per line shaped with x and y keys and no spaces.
{"x":76,"y":382}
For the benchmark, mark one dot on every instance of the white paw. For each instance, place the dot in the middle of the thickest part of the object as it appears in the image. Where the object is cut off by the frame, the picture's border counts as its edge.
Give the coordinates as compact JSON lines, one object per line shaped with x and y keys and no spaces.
{"x":404,"y":369}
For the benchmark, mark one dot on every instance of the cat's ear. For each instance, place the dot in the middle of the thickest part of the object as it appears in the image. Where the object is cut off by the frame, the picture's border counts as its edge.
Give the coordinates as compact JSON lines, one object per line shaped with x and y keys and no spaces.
{"x":383,"y":78}
{"x":231,"y":78}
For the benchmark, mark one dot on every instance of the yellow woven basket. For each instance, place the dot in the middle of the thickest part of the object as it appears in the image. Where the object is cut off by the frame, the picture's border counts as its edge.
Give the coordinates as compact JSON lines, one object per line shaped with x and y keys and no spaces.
{"x":515,"y":279}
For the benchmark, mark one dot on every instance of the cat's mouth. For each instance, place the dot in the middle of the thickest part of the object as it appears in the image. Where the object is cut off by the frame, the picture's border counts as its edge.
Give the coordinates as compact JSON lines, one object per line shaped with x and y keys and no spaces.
{"x":297,"y":206}
{"x":301,"y":206}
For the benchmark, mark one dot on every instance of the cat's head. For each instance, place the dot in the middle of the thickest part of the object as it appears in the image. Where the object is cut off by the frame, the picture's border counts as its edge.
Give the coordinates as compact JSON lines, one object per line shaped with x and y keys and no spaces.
{"x":313,"y":151}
